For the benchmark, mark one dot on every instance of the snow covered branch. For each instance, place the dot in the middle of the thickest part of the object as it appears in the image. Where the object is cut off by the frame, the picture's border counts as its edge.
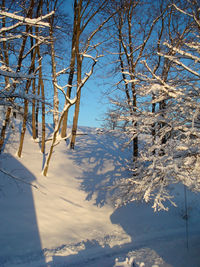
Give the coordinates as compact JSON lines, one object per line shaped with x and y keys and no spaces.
{"x":37,"y":22}
{"x":181,"y":64}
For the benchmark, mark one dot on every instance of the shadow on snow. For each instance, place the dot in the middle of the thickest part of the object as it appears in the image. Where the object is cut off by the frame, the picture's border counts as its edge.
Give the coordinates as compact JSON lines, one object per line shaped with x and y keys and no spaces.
{"x":157,"y":238}
{"x":103,"y":161}
{"x":20,"y":238}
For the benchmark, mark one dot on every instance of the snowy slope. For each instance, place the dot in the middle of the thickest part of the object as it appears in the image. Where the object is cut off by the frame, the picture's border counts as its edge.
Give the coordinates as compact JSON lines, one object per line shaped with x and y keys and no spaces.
{"x":70,"y":219}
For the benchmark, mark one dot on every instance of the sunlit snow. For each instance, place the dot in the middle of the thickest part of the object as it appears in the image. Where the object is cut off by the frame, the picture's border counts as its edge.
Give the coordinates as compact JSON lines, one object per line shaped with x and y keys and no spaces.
{"x":70,"y":220}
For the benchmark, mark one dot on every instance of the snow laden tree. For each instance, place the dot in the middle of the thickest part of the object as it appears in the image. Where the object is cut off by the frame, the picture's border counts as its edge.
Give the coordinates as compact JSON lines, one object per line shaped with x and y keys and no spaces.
{"x":168,"y":117}
{"x":131,"y":38}
{"x":20,"y":47}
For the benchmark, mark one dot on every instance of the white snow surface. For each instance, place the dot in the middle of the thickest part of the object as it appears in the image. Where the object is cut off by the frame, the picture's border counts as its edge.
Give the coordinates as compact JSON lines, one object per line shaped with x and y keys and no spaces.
{"x":70,"y":220}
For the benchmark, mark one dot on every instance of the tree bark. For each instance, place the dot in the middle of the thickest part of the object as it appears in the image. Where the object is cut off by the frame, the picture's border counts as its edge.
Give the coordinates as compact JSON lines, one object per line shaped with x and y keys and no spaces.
{"x":72,"y":68}
{"x":53,"y":64}
{"x":79,"y":68}
{"x":33,"y":112}
{"x":41,"y":84}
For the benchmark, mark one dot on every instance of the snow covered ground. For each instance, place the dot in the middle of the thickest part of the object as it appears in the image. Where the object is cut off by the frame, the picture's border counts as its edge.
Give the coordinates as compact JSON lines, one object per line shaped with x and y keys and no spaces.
{"x":70,"y":219}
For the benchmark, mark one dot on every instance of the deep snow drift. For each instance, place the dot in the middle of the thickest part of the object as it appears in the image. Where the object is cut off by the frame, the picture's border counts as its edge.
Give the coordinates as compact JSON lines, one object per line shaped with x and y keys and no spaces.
{"x":70,"y":219}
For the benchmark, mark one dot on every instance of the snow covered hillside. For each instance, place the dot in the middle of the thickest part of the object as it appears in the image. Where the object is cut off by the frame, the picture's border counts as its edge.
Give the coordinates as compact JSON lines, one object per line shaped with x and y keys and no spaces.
{"x":70,"y":218}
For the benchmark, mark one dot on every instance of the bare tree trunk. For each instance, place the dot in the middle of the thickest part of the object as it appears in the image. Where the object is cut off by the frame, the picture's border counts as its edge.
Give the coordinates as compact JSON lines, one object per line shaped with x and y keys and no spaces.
{"x":41,"y":84}
{"x":79,"y":67}
{"x":75,"y":121}
{"x":72,"y":68}
{"x":131,"y":96}
{"x":132,"y":77}
{"x":53,"y":64}
{"x":34,"y":93}
{"x":25,"y":36}
{"x":43,"y":118}
{"x":23,"y":131}
{"x":26,"y":102}
{"x":37,"y":112}
{"x":69,"y":88}
{"x":33,"y":112}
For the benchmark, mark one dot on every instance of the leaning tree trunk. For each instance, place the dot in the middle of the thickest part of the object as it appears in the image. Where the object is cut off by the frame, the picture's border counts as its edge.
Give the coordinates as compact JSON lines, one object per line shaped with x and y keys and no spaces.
{"x":55,"y":133}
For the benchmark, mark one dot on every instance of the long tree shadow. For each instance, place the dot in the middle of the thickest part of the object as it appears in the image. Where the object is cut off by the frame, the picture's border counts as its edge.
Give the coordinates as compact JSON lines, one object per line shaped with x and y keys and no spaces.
{"x":20,"y":238}
{"x":103,"y":161}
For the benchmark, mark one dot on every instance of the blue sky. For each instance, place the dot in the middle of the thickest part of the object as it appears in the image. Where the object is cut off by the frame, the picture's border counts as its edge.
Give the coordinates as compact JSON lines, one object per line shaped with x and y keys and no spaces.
{"x":93,"y":104}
